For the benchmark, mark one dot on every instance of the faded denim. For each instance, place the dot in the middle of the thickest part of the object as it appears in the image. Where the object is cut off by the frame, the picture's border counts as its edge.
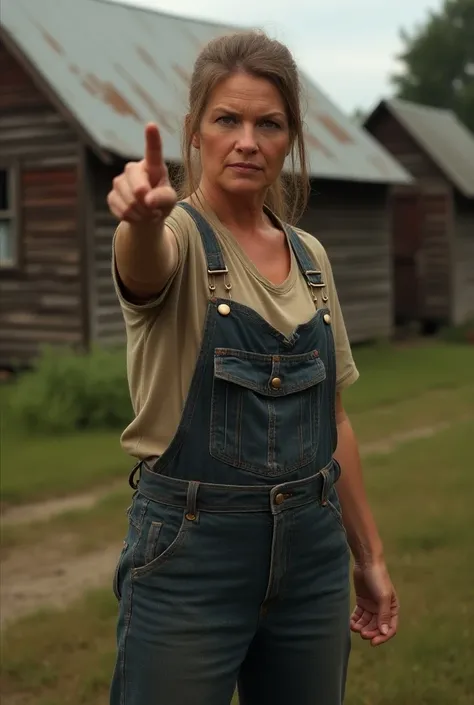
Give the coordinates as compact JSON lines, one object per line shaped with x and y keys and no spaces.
{"x":235,"y":568}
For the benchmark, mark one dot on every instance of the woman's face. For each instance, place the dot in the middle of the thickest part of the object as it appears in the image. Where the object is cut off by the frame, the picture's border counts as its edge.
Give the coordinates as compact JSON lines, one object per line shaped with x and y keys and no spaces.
{"x":244,"y":136}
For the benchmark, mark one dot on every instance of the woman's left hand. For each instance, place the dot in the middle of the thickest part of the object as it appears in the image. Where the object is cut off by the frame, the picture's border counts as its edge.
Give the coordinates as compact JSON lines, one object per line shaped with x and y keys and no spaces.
{"x":375,"y":616}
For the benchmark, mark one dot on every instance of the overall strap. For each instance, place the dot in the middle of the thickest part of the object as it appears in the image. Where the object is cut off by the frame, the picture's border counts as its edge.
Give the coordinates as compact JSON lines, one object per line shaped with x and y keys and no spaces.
{"x":213,"y":252}
{"x":308,"y":267}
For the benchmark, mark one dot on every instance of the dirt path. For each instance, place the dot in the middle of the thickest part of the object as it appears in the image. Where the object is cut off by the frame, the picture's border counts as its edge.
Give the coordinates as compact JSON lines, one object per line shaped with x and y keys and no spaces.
{"x":49,"y":576}
{"x":388,"y":445}
{"x":42,"y":511}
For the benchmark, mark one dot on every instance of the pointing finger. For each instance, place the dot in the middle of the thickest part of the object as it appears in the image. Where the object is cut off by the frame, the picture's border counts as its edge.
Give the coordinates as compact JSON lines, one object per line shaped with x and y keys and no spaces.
{"x":153,"y":152}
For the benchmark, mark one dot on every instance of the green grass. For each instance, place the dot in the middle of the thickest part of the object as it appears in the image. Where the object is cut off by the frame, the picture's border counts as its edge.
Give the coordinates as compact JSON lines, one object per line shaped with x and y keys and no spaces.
{"x":390,"y":374}
{"x":428,"y":410}
{"x":399,"y":389}
{"x":89,"y":529}
{"x":41,"y":468}
{"x":422,"y":497}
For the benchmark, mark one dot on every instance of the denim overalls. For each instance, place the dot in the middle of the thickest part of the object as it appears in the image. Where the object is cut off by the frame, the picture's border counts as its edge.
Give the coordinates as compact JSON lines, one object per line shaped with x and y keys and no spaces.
{"x":235,"y":568}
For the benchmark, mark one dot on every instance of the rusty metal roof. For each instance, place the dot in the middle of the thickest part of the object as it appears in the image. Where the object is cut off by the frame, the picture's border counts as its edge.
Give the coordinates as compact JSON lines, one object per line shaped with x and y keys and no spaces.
{"x":116,"y":67}
{"x":445,"y":139}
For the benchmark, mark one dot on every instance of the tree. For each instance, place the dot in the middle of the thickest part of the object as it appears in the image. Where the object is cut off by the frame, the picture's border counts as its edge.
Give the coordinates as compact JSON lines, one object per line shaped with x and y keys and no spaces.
{"x":438,"y":61}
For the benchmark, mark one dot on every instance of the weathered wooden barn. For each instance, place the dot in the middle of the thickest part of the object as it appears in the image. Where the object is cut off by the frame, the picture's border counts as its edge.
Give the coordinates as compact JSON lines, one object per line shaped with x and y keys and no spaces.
{"x":433,"y":219}
{"x":78,"y":81}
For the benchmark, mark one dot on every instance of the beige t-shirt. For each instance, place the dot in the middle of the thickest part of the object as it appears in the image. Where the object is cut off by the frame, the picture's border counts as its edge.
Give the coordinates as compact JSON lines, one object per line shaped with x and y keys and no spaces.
{"x":164,"y":336}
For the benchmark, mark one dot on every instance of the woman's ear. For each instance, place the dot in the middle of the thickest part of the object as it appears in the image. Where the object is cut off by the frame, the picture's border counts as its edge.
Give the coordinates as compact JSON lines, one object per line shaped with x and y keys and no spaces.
{"x":195,"y":142}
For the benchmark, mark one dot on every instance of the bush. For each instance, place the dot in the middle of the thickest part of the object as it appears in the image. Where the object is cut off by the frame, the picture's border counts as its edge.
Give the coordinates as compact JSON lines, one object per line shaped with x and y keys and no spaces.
{"x":459,"y":334}
{"x":72,"y":392}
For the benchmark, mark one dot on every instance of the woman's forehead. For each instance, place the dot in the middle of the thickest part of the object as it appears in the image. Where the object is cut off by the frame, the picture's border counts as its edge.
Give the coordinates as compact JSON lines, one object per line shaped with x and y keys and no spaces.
{"x":241,"y":89}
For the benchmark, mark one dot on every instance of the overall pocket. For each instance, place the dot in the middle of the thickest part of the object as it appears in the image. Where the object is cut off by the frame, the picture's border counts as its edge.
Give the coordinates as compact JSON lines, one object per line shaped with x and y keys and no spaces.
{"x":266,"y":410}
{"x":155,"y":533}
{"x":163,"y":530}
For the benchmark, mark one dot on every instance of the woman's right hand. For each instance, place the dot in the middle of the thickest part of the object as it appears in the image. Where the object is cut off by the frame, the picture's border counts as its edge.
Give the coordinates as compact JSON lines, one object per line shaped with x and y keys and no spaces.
{"x":142,"y":193}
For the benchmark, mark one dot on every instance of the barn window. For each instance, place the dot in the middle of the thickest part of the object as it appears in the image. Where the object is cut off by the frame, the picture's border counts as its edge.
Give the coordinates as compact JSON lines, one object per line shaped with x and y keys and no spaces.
{"x":8,"y":220}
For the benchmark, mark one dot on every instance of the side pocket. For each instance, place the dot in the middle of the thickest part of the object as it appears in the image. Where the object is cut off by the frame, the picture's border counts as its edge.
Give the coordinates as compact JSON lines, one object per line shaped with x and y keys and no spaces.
{"x":334,"y":506}
{"x":116,"y":578}
{"x":337,"y":514}
{"x":152,"y":541}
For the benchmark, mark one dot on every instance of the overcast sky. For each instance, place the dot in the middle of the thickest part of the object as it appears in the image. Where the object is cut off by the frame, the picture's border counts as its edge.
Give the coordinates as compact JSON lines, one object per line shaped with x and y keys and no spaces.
{"x":347,"y":47}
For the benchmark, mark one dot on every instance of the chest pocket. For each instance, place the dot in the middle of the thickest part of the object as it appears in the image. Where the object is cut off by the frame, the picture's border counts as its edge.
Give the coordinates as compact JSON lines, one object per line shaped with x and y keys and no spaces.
{"x":265,"y":412}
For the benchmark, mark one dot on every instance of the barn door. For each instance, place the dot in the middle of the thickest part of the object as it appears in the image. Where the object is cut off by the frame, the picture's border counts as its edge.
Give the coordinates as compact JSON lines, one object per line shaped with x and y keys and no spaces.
{"x":407,"y":244}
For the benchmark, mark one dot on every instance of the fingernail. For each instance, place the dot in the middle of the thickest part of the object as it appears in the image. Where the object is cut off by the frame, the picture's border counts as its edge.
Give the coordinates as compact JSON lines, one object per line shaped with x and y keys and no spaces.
{"x":384,"y":629}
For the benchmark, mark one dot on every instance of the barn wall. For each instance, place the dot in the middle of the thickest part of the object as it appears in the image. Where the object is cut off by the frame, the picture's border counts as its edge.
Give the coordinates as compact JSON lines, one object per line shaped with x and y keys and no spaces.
{"x":434,"y":258}
{"x":393,"y":136}
{"x":463,"y":303}
{"x":436,"y":273}
{"x":107,"y":325}
{"x":353,"y":223}
{"x":41,"y":300}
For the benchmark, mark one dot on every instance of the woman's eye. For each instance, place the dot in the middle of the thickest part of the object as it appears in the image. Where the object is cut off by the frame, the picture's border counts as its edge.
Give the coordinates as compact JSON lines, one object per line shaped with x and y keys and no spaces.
{"x":271,"y":124}
{"x":226,"y":120}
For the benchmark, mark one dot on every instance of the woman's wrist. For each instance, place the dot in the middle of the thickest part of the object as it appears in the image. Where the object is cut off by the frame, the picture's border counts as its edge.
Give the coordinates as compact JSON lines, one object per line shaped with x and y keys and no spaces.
{"x":367,"y":553}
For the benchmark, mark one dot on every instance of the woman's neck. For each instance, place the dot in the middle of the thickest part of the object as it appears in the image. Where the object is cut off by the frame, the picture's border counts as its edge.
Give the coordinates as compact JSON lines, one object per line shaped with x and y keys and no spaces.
{"x":237,"y":214}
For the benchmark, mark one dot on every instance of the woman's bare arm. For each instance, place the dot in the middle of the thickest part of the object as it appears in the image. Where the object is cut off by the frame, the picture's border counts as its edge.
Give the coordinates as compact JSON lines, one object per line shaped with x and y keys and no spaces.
{"x":359,"y":522}
{"x":142,"y":197}
{"x":375,"y":616}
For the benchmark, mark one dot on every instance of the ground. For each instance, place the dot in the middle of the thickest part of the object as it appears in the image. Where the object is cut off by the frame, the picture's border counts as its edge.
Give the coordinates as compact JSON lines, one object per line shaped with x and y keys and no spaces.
{"x":63,"y":523}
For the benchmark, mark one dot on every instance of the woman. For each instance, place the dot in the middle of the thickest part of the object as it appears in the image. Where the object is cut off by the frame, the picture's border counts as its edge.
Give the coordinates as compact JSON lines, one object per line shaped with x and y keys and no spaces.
{"x":235,"y":568}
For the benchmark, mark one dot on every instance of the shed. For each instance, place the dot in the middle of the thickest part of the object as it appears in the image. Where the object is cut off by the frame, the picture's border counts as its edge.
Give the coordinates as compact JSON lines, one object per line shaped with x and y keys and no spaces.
{"x":78,"y":81}
{"x":433,"y":219}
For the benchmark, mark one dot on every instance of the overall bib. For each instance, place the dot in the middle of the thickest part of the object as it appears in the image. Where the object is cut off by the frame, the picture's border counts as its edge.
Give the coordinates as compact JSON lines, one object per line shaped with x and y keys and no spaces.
{"x":235,"y":568}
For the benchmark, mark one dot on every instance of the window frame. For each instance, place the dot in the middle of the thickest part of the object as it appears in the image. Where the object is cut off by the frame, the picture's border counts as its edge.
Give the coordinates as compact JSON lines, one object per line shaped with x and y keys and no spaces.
{"x":12,"y":214}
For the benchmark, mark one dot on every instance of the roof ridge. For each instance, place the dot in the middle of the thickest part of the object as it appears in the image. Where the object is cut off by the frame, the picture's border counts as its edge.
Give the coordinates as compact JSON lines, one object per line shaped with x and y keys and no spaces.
{"x":421,"y":106}
{"x":171,"y":15}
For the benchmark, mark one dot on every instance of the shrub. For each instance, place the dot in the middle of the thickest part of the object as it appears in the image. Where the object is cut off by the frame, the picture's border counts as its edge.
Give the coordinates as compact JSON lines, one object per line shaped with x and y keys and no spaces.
{"x":68,"y":392}
{"x":459,"y":334}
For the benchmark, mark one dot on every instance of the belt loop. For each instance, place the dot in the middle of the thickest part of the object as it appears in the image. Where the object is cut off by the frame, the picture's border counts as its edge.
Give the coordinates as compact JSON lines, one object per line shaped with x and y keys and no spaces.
{"x":191,"y":501}
{"x":131,"y":477}
{"x":325,"y":487}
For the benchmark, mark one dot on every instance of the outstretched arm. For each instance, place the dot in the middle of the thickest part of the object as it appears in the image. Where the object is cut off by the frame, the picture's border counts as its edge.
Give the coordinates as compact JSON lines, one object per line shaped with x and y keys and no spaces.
{"x":146,"y":252}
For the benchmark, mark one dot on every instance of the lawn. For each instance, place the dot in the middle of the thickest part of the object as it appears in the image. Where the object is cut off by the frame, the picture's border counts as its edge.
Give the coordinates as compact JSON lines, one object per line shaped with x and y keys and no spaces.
{"x":39,"y":468}
{"x":399,"y":389}
{"x":422,"y":495}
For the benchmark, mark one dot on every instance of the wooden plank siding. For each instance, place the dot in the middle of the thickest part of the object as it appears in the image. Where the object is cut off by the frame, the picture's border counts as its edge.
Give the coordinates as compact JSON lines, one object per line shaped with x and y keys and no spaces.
{"x":41,"y":299}
{"x":433,"y":260}
{"x":107,"y":325}
{"x":352,"y":221}
{"x":463,"y":261}
{"x":435,"y":257}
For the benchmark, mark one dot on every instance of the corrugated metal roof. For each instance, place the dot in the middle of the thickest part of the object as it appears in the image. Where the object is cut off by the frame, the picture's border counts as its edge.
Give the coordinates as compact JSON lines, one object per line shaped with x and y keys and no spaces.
{"x":117,"y":67}
{"x":447,"y":140}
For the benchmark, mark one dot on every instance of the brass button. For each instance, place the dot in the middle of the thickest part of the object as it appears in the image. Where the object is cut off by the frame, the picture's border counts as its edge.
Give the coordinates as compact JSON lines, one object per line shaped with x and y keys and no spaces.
{"x":279,"y":498}
{"x":276,"y":383}
{"x":327,"y":318}
{"x":190,"y":516}
{"x":223,"y":309}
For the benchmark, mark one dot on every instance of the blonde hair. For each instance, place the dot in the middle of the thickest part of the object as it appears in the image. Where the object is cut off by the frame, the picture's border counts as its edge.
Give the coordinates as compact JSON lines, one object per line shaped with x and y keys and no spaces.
{"x":254,"y":53}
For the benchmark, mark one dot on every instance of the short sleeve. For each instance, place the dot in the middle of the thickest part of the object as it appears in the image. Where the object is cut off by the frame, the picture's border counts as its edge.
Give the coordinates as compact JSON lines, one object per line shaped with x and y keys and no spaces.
{"x":180,"y":229}
{"x":346,"y":370}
